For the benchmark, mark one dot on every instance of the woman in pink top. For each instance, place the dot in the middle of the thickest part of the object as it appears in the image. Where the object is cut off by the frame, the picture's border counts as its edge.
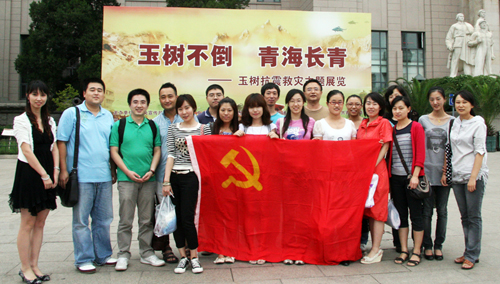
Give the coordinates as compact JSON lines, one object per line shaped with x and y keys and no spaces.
{"x":296,"y":125}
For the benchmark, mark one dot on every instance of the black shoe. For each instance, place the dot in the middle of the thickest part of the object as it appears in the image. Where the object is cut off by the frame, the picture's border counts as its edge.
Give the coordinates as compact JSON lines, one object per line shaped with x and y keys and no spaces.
{"x":429,"y":257}
{"x":438,"y":257}
{"x":45,"y":277}
{"x":34,"y":281}
{"x":345,"y":263}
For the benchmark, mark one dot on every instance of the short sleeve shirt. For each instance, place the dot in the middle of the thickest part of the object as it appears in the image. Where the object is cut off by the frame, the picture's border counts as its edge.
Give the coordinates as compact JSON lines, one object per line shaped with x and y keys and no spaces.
{"x":324,"y":130}
{"x":137,"y":147}
{"x":257,"y":130}
{"x":276,"y":116}
{"x":93,"y":155}
{"x":296,"y":129}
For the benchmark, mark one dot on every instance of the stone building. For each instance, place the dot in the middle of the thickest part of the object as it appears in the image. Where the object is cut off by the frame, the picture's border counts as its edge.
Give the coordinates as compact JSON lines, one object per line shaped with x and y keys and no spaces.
{"x":408,"y":36}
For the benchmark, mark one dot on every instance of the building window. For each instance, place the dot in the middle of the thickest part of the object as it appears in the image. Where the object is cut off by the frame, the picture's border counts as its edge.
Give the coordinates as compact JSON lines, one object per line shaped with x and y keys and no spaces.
{"x":379,"y":61}
{"x":23,"y":84}
{"x":413,"y":46}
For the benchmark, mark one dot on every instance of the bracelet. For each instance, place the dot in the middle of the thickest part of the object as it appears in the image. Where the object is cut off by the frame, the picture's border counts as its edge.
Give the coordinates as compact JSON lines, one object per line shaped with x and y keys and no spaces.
{"x":166,"y":183}
{"x":47,"y":178}
{"x":152,"y":171}
{"x":57,"y":168}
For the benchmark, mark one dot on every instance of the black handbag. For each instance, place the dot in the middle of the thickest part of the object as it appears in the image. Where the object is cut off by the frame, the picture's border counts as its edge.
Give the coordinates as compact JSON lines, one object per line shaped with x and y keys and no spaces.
{"x":423,"y":189}
{"x":69,"y":195}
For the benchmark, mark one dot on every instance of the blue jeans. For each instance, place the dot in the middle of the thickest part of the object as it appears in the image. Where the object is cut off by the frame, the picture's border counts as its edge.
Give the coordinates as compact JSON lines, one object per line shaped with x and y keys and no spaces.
{"x":469,"y":204}
{"x":439,"y":196}
{"x":93,"y":244}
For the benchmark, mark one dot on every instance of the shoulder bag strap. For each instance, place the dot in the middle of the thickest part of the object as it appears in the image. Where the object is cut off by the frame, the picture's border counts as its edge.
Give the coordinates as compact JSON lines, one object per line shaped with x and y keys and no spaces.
{"x":77,"y":138}
{"x":449,"y":129}
{"x":399,"y":151}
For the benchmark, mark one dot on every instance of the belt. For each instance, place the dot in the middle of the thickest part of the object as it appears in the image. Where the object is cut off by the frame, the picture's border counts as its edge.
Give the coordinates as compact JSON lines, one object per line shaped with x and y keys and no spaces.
{"x":181,"y":172}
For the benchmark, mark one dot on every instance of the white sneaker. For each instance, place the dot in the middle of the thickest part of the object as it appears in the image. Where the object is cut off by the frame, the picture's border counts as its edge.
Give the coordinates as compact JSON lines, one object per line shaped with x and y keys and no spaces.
{"x":181,"y":267}
{"x":87,"y":268}
{"x":195,"y":264}
{"x":121,"y":264}
{"x":153,"y":260}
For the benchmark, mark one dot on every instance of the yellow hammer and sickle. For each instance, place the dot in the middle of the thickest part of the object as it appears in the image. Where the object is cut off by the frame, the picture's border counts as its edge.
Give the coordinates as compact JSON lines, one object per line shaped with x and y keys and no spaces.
{"x":252,"y":180}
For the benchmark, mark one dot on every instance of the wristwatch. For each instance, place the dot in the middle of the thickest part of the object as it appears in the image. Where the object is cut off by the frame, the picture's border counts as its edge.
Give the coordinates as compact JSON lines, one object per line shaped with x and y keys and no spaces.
{"x":152,"y":171}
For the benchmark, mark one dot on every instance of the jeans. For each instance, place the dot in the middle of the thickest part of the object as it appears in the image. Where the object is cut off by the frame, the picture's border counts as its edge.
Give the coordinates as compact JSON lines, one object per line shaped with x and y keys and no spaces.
{"x":140,"y":195}
{"x":439,"y":197}
{"x":95,"y":201}
{"x":469,"y":204}
{"x":185,"y":187}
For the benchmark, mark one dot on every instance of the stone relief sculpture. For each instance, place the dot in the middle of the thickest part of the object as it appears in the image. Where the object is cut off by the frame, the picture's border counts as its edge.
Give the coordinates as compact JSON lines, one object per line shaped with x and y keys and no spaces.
{"x":460,"y":53}
{"x":481,"y":14}
{"x":481,"y":39}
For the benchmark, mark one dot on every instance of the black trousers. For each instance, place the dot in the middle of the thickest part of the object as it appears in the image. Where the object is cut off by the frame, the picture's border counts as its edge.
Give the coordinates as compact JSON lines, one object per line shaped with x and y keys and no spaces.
{"x":403,"y":201}
{"x":185,"y":188}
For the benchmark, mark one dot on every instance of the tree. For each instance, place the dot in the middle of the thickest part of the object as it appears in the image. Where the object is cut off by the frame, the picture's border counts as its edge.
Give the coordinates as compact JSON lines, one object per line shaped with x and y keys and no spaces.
{"x":64,"y":43}
{"x":227,"y":4}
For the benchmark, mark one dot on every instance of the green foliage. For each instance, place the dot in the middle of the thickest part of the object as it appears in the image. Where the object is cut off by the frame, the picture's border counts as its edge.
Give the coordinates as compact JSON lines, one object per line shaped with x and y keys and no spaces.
{"x":486,"y":91}
{"x":65,"y":38}
{"x":64,"y":98}
{"x":221,"y":4}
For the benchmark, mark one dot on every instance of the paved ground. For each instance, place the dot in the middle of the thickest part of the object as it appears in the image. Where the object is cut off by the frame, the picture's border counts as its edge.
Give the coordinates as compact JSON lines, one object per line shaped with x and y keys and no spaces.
{"x":57,"y":253}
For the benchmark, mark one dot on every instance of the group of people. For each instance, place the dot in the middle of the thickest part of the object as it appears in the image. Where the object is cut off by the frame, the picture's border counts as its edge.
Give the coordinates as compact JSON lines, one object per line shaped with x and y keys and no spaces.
{"x":150,"y":160}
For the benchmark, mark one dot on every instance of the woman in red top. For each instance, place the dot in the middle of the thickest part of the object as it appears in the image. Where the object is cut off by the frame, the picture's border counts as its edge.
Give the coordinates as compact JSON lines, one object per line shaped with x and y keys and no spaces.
{"x":377,"y":127}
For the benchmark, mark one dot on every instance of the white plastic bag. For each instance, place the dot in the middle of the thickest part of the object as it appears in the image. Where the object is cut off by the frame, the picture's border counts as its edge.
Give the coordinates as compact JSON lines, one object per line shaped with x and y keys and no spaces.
{"x":373,"y":186}
{"x":393,"y":216}
{"x":166,"y":220}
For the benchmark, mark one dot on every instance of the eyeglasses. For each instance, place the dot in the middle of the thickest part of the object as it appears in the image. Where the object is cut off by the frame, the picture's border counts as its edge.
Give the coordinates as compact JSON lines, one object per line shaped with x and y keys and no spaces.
{"x":336,"y":103}
{"x":312,"y":89}
{"x":219,"y":95}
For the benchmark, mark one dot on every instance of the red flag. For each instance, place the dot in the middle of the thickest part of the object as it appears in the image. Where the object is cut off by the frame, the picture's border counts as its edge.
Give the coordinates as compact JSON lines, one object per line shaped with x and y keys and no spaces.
{"x":275,"y":199}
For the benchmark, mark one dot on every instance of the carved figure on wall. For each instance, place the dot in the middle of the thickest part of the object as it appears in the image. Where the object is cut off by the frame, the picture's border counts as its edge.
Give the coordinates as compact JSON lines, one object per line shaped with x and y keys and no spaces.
{"x":481,"y":14}
{"x":482,"y":40}
{"x":456,"y":42}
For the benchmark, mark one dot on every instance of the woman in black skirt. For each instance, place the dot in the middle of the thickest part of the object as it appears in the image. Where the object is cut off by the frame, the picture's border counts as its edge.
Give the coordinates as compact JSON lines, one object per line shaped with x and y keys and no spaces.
{"x":37,"y":172}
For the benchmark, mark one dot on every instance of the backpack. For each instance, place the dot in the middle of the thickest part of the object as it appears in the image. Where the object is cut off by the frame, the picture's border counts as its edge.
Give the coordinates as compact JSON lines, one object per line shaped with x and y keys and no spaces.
{"x":121,"y":130}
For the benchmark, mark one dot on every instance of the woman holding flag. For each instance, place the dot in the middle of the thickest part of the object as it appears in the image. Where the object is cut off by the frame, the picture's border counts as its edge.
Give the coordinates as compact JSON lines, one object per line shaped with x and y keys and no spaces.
{"x":377,"y":127}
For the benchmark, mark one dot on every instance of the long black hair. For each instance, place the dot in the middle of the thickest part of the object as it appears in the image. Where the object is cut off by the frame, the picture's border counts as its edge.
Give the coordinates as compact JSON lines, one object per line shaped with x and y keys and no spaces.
{"x":233,"y":125}
{"x":288,"y":116}
{"x":34,"y":87}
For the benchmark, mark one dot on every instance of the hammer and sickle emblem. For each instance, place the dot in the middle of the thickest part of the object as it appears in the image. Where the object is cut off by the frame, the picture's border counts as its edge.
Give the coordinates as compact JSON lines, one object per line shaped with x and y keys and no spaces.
{"x":252,"y":180}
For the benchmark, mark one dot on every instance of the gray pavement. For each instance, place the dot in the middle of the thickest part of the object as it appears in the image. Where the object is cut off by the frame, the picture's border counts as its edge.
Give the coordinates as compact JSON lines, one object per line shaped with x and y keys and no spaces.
{"x":56,"y":257}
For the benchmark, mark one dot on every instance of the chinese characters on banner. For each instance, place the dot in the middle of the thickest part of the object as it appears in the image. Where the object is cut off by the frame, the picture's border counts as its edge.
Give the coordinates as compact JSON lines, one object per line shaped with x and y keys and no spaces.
{"x":246,"y":50}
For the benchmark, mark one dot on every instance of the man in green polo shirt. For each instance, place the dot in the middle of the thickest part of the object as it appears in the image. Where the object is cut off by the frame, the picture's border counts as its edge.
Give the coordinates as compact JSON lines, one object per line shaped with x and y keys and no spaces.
{"x":136,"y":151}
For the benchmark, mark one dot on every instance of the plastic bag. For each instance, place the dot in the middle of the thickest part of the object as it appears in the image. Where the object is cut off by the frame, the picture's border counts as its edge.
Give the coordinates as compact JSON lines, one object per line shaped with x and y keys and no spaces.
{"x":166,"y":220}
{"x":393,"y":216}
{"x":373,"y":186}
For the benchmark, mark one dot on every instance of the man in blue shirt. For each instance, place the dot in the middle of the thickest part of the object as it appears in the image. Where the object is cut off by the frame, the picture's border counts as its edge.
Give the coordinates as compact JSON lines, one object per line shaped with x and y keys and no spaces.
{"x":168,"y":98}
{"x":215,"y":93}
{"x":92,"y":246}
{"x":271,"y":93}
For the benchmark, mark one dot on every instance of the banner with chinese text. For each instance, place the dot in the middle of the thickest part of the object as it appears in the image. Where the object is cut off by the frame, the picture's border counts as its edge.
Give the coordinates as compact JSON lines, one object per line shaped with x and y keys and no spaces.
{"x":239,"y":49}
{"x":276,"y":199}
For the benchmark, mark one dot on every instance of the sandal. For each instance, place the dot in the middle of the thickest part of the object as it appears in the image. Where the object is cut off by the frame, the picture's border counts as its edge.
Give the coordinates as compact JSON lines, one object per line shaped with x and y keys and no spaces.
{"x":169,"y":257}
{"x":261,"y":261}
{"x":400,"y":260}
{"x":460,"y":260}
{"x":467,"y":264}
{"x":299,"y":262}
{"x":413,"y":263}
{"x":229,"y":259}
